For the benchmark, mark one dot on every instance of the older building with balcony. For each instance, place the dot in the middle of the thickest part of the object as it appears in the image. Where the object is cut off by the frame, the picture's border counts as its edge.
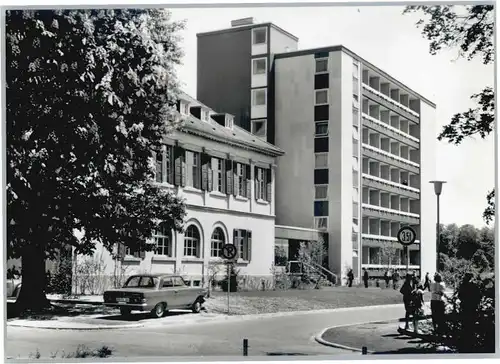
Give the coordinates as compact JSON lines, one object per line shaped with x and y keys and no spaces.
{"x":226,"y":177}
{"x":359,"y":145}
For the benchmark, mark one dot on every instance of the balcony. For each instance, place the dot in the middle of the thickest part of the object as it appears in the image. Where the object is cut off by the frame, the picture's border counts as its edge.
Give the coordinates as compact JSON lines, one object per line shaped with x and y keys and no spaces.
{"x":391,"y":104}
{"x":390,"y":131}
{"x":380,"y":240}
{"x":390,"y":214}
{"x":389,"y":186}
{"x":388,"y":158}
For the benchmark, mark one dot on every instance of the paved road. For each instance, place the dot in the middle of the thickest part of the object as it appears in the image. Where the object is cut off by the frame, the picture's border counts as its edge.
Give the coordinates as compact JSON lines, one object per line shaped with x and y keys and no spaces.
{"x":267,"y":336}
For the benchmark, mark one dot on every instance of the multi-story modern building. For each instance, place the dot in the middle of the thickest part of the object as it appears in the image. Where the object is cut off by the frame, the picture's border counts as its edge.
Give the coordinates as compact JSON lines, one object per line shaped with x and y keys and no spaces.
{"x":226,"y":177}
{"x":359,"y":145}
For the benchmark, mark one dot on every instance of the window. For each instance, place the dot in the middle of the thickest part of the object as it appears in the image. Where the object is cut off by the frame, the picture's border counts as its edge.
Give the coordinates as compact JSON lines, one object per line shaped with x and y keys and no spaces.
{"x":321,"y":145}
{"x":259,"y":97}
{"x":321,"y":112}
{"x":320,"y":208}
{"x":163,"y":242}
{"x":321,"y":160}
{"x":192,"y":242}
{"x":169,"y":163}
{"x":259,"y":128}
{"x":184,"y":108}
{"x":320,"y":192}
{"x":355,"y":132}
{"x":321,"y":222}
{"x":321,"y":128}
{"x":178,"y":282}
{"x":322,"y":65}
{"x":259,"y":66}
{"x":321,"y":97}
{"x":193,"y":175}
{"x":260,"y":184}
{"x":217,"y":242}
{"x":355,"y":194}
{"x":159,"y":166}
{"x":355,"y":86}
{"x":355,"y":70}
{"x":374,"y":254}
{"x":205,"y":115}
{"x":260,"y":36}
{"x":144,"y":282}
{"x":355,"y":115}
{"x":218,"y":175}
{"x":321,"y":176}
{"x":321,"y":81}
{"x":243,"y":242}
{"x":240,"y":180}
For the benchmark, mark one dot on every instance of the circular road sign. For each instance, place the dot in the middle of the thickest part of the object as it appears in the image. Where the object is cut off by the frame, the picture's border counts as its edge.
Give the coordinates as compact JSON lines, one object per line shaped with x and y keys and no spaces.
{"x":406,"y":235}
{"x":229,"y":251}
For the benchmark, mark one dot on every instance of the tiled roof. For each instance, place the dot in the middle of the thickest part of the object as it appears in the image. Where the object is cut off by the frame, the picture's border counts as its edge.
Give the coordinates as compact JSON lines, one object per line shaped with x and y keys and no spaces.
{"x":212,"y":130}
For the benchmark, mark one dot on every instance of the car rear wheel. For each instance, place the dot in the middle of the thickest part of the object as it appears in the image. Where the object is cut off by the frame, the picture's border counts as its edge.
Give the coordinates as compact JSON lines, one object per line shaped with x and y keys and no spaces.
{"x":159,"y":310}
{"x":196,"y":308}
{"x":124,"y":311}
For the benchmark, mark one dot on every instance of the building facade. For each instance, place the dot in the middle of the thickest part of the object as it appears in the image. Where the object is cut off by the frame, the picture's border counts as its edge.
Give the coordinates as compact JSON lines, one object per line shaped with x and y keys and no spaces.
{"x":226,"y":177}
{"x":359,"y":145}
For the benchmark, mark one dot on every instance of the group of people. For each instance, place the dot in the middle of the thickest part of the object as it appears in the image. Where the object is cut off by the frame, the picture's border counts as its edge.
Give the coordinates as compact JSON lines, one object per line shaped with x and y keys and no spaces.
{"x":413,"y":299}
{"x":350,"y":277}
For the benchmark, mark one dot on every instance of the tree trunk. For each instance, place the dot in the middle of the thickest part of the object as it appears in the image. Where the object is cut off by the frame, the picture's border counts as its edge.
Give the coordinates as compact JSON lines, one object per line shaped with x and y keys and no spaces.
{"x":32,"y":296}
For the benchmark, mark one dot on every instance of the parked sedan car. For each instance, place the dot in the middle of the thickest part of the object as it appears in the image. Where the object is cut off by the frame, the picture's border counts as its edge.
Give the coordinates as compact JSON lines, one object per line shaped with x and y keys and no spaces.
{"x":13,"y":288}
{"x":157,"y":293}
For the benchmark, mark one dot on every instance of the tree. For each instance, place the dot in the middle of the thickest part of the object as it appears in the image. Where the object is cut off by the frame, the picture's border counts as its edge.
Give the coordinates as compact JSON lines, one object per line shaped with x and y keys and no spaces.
{"x":470,"y":29}
{"x":90,"y":93}
{"x":388,"y":253}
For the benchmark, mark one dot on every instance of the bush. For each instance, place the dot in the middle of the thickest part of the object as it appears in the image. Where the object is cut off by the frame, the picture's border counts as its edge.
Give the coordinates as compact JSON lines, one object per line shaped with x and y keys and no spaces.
{"x":280,"y":256}
{"x":60,"y":282}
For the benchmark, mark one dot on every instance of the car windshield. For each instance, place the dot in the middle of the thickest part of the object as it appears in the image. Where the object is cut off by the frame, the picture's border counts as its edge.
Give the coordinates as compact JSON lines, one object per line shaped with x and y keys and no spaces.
{"x":141,"y":282}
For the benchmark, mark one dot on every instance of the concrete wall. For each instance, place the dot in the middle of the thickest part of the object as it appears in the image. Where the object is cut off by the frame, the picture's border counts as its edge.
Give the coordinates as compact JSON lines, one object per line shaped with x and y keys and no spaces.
{"x":428,"y":216}
{"x":227,"y":54}
{"x":294,"y":117}
{"x":281,"y":42}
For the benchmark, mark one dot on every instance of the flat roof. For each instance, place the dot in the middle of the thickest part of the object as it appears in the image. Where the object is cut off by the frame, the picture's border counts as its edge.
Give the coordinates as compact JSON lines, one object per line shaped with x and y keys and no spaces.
{"x":249,"y":26}
{"x":342,"y":48}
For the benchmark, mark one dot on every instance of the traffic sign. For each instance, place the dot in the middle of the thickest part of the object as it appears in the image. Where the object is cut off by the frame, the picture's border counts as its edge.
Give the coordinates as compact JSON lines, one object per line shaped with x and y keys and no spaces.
{"x":229,"y":251}
{"x":406,"y":235}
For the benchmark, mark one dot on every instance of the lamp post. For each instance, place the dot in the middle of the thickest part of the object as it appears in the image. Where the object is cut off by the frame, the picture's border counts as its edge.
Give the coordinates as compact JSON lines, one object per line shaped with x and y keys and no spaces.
{"x":438,"y":188}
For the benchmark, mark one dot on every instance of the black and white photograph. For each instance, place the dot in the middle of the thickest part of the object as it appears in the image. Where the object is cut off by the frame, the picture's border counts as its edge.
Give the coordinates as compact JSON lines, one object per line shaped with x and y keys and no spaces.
{"x":249,"y":181}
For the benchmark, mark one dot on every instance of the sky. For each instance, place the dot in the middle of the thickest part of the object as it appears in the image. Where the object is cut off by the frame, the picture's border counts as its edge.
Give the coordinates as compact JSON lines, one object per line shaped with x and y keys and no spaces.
{"x":392,"y":42}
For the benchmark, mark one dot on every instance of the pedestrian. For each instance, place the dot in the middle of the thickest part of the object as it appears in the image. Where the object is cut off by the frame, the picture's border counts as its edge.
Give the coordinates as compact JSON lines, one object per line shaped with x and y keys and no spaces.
{"x":406,"y":290}
{"x":350,"y":277}
{"x":417,"y":303}
{"x":365,"y":277}
{"x":386,"y":279}
{"x":395,"y":279}
{"x":438,"y":304}
{"x":427,"y":283}
{"x":470,"y":297}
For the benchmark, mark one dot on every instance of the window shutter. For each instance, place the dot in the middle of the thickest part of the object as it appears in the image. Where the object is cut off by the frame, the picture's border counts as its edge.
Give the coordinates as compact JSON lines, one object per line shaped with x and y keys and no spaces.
{"x":249,"y":246}
{"x":177,"y":166}
{"x":204,"y":172}
{"x":235,"y":179}
{"x":229,"y":177}
{"x":210,"y":174}
{"x":256,"y":183}
{"x":269,"y":191}
{"x":249,"y":180}
{"x":164,"y":164}
{"x":235,"y":242}
{"x":154,"y":160}
{"x":183,"y":169}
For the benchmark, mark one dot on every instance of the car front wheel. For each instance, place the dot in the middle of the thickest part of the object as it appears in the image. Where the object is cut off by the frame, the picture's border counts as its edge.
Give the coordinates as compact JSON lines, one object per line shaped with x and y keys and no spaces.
{"x":196,"y":308}
{"x":159,"y":310}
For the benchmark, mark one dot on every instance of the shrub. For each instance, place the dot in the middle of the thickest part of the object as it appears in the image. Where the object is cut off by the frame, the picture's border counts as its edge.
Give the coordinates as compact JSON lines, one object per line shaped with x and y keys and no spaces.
{"x":230,"y":282}
{"x":280,"y":256}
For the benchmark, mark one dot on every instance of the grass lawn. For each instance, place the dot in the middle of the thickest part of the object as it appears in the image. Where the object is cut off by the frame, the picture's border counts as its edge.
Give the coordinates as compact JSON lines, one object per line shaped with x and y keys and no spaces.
{"x":256,"y":302}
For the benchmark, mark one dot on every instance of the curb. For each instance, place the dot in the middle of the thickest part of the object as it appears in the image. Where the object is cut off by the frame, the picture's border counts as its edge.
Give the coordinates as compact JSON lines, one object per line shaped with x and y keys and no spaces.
{"x":77,"y":328}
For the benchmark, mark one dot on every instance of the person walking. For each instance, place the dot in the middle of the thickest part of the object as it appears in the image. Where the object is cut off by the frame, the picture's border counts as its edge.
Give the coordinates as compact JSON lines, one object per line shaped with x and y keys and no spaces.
{"x":386,"y":279}
{"x":406,"y":290}
{"x":427,"y":283}
{"x":437,"y":304}
{"x":365,"y":277}
{"x":417,"y":304}
{"x":395,"y":279}
{"x":350,"y":277}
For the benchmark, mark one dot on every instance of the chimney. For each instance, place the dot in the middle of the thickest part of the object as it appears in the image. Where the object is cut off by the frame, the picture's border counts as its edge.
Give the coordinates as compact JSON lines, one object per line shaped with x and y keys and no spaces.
{"x":241,"y":22}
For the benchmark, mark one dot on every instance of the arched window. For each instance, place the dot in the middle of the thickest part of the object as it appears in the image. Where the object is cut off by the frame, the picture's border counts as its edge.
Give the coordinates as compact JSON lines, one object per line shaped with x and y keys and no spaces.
{"x":217,"y":242}
{"x":163,"y":240}
{"x":192,"y":242}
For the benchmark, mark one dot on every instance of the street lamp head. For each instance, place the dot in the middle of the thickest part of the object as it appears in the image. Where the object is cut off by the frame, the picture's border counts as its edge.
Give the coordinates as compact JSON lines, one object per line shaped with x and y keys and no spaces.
{"x":438,"y":186}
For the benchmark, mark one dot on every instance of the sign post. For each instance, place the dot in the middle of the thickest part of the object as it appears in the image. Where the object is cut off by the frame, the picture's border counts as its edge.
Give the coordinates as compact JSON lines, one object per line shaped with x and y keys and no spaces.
{"x":229,"y":253}
{"x":406,"y":237}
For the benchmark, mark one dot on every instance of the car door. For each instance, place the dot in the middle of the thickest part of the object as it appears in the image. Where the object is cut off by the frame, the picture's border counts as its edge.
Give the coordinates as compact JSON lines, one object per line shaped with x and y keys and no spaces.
{"x":183,"y":293}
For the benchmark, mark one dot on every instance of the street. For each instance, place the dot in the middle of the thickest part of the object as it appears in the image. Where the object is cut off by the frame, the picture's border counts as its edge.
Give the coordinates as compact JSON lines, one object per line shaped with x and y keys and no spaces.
{"x":292,"y":335}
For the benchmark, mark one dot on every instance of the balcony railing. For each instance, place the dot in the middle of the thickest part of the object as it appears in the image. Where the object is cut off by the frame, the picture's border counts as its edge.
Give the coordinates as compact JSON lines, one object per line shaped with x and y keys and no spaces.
{"x":389,"y":186}
{"x":390,"y":158}
{"x":390,"y":214}
{"x":382,"y":237}
{"x":390,"y":100}
{"x":390,"y":130}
